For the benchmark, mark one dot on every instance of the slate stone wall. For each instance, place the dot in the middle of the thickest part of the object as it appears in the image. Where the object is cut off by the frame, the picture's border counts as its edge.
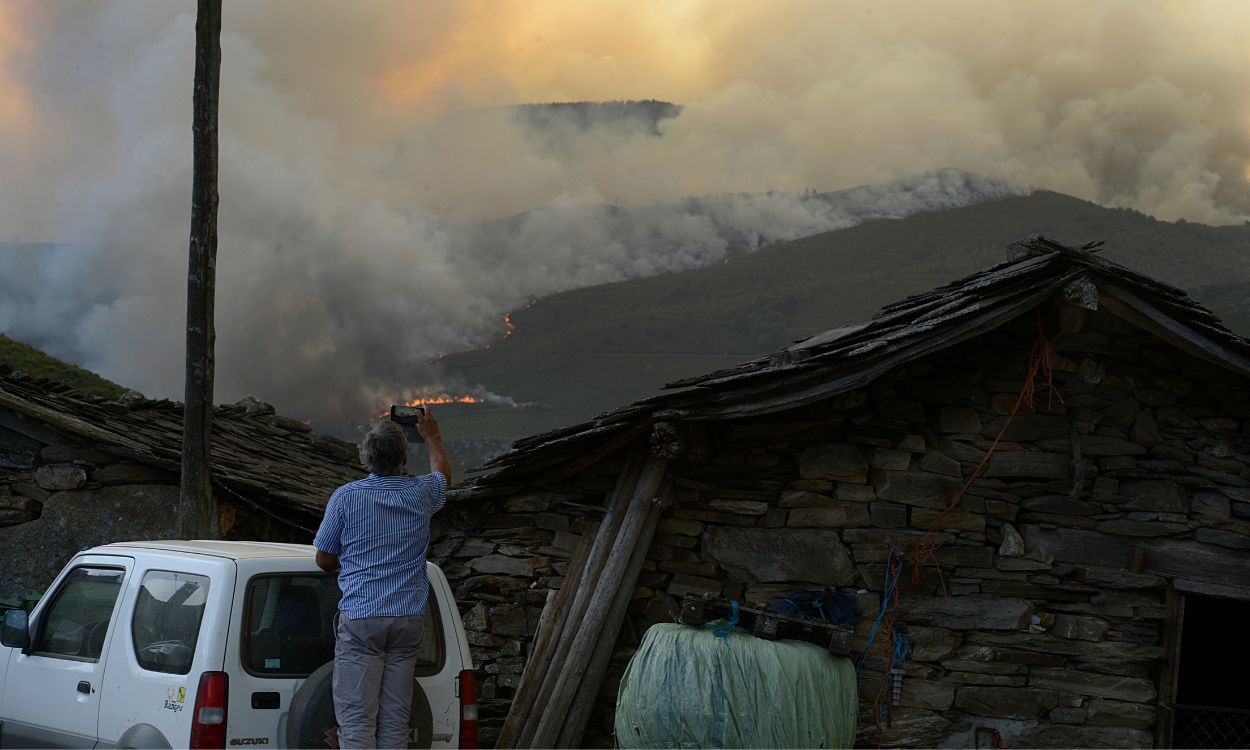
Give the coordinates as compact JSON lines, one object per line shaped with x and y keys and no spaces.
{"x":1036,"y":626}
{"x":60,"y":495}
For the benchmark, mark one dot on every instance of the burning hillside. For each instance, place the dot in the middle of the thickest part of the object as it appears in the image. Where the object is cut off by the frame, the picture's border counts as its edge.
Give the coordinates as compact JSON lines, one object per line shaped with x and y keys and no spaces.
{"x":378,"y":185}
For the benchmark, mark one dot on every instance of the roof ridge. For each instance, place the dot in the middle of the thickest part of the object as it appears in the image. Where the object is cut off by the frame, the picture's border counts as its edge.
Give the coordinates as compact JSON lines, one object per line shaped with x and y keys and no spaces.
{"x":255,"y":450}
{"x":842,"y":359}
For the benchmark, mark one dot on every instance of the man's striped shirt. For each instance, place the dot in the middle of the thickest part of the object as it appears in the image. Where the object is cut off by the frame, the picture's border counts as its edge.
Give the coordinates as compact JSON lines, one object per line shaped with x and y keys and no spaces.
{"x":379,"y":527}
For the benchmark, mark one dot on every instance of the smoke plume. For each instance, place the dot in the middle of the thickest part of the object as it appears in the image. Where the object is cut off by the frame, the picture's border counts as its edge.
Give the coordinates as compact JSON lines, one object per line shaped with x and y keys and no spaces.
{"x":381,"y":204}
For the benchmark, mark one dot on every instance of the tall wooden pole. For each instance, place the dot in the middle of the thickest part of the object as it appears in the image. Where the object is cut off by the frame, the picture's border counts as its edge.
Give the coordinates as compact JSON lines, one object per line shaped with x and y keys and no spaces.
{"x":197,"y":510}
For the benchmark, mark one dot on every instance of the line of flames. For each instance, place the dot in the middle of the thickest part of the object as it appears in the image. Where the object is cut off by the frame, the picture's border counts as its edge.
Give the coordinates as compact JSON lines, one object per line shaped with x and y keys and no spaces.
{"x":508,"y":325}
{"x":435,"y":400}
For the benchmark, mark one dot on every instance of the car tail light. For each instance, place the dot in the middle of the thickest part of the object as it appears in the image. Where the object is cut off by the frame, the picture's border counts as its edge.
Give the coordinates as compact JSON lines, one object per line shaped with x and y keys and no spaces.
{"x":208,"y":720}
{"x":468,"y":709}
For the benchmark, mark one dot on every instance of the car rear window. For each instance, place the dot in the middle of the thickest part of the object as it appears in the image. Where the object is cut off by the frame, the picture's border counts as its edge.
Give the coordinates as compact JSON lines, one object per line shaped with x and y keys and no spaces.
{"x":288,"y":627}
{"x":166,"y":623}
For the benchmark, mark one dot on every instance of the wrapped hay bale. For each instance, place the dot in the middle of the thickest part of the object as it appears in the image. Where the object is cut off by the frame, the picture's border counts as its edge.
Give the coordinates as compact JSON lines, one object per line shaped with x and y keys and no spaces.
{"x":686,"y":687}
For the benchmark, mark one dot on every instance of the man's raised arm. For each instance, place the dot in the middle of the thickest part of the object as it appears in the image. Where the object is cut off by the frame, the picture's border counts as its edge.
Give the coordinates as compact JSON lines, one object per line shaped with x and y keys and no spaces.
{"x":428,"y":427}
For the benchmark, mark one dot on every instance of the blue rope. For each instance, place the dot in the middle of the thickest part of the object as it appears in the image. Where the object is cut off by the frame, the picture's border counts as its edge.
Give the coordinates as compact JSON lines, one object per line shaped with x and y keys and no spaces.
{"x":890,"y":583}
{"x":902,"y":647}
{"x":727,"y":628}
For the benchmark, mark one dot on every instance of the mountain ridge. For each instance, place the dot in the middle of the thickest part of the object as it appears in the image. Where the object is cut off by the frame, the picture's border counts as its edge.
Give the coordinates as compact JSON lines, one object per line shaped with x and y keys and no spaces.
{"x":582,"y":351}
{"x":579,"y":352}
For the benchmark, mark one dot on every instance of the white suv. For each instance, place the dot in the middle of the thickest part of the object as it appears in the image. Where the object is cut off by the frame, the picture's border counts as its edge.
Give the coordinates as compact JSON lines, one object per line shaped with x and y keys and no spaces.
{"x":205,"y":644}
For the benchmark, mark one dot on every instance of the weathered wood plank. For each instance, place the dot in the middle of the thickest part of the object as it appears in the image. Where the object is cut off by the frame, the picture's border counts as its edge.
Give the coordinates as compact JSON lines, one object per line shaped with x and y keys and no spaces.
{"x":569,"y":468}
{"x":584,"y":699}
{"x":69,"y":423}
{"x":1140,"y":313}
{"x":1170,"y":667}
{"x":550,"y":625}
{"x":612,"y":578}
{"x":547,"y":676}
{"x":1195,"y":563}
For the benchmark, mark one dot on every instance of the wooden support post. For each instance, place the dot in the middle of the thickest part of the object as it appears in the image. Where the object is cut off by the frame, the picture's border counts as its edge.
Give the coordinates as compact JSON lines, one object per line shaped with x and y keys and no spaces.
{"x":612,"y":578}
{"x":197,"y":516}
{"x":544,"y":677}
{"x":550,"y":625}
{"x":584,"y":698}
{"x":1169,"y":672}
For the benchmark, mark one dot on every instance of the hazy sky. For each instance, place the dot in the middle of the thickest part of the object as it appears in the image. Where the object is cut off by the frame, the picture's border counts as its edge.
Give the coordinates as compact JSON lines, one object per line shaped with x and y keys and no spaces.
{"x":353,"y":167}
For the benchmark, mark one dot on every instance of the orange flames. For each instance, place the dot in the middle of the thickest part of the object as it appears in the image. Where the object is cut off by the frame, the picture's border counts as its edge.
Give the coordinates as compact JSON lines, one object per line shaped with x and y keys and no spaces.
{"x":509,"y":327}
{"x":434,"y":400}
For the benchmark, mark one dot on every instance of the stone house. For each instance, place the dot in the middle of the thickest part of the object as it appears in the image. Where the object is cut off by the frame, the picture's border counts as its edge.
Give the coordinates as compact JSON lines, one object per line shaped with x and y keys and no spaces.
{"x":1070,"y":599}
{"x":1056,"y":450}
{"x":77,"y":470}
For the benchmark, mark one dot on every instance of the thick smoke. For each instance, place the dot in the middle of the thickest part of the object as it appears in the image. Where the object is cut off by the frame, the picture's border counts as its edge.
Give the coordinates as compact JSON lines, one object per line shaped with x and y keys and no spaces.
{"x":379,"y":207}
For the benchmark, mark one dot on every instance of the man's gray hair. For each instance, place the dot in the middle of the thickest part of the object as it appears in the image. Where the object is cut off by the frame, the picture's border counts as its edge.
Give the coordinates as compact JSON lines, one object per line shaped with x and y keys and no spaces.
{"x":385,"y":449}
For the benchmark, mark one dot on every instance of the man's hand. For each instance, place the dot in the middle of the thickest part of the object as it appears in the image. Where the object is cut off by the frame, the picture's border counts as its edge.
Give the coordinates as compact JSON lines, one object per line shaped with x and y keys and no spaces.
{"x":427,"y":425}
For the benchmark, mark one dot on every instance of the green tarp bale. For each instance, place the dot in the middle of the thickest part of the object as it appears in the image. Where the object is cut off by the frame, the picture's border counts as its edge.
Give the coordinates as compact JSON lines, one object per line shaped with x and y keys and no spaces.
{"x":686,"y":687}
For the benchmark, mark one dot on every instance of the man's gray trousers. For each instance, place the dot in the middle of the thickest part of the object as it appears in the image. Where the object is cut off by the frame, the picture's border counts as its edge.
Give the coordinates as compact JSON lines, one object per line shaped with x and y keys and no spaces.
{"x":374,"y":658}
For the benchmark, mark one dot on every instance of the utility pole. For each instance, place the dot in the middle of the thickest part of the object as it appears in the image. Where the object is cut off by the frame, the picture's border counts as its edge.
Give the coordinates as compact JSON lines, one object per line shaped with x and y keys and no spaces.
{"x":197,"y":511}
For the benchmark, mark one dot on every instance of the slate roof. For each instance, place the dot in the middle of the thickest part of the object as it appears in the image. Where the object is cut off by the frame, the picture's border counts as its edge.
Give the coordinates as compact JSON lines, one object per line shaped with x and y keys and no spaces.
{"x":851,"y":357}
{"x":264,"y":459}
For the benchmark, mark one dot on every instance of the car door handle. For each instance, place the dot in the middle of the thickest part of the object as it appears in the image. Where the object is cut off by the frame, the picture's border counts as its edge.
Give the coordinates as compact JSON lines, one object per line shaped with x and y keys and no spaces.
{"x":84,"y":687}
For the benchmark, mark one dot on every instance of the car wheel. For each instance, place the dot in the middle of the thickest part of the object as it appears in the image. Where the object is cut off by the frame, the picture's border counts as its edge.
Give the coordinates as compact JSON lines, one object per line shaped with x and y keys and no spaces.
{"x":311,"y":722}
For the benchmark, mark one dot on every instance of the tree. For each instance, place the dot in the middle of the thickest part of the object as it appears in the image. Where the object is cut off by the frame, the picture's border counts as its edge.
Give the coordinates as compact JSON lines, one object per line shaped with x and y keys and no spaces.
{"x":197,"y":509}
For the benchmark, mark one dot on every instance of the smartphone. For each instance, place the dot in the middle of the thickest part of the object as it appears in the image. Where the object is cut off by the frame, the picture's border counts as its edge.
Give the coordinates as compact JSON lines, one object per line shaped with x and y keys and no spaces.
{"x":406,"y":414}
{"x":406,"y":417}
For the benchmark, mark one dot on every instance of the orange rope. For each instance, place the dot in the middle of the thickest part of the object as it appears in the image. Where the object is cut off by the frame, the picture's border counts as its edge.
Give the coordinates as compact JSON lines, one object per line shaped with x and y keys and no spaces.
{"x":882,"y":704}
{"x":1041,"y":360}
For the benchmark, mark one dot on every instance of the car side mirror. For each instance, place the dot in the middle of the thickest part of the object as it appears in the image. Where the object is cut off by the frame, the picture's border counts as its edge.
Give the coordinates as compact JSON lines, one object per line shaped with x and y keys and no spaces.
{"x":16,"y":630}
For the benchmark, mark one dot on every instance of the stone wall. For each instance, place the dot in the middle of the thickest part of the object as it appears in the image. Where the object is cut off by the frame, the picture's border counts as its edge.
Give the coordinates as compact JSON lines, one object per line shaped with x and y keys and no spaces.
{"x":502,"y":557}
{"x":1035,"y":628}
{"x":60,"y":495}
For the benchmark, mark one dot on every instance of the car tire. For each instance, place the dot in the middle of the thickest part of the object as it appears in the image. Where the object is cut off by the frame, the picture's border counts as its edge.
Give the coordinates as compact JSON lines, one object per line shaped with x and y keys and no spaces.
{"x":312,"y":713}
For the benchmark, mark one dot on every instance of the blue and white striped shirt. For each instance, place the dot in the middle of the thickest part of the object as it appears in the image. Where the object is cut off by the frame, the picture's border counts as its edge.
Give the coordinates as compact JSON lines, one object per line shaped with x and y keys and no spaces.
{"x":379,"y":527}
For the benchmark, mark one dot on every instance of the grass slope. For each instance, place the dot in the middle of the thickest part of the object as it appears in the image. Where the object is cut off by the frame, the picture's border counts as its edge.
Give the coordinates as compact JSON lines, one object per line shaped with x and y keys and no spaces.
{"x":584,"y":351}
{"x":26,"y":358}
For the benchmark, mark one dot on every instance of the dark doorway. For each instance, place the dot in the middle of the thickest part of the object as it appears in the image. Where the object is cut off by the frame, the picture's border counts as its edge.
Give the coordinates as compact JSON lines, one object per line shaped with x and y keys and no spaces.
{"x":1212,"y":703}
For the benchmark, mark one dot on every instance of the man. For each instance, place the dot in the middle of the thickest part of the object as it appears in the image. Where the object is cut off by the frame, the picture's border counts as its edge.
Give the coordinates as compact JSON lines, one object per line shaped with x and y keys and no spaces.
{"x":375,"y":533}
